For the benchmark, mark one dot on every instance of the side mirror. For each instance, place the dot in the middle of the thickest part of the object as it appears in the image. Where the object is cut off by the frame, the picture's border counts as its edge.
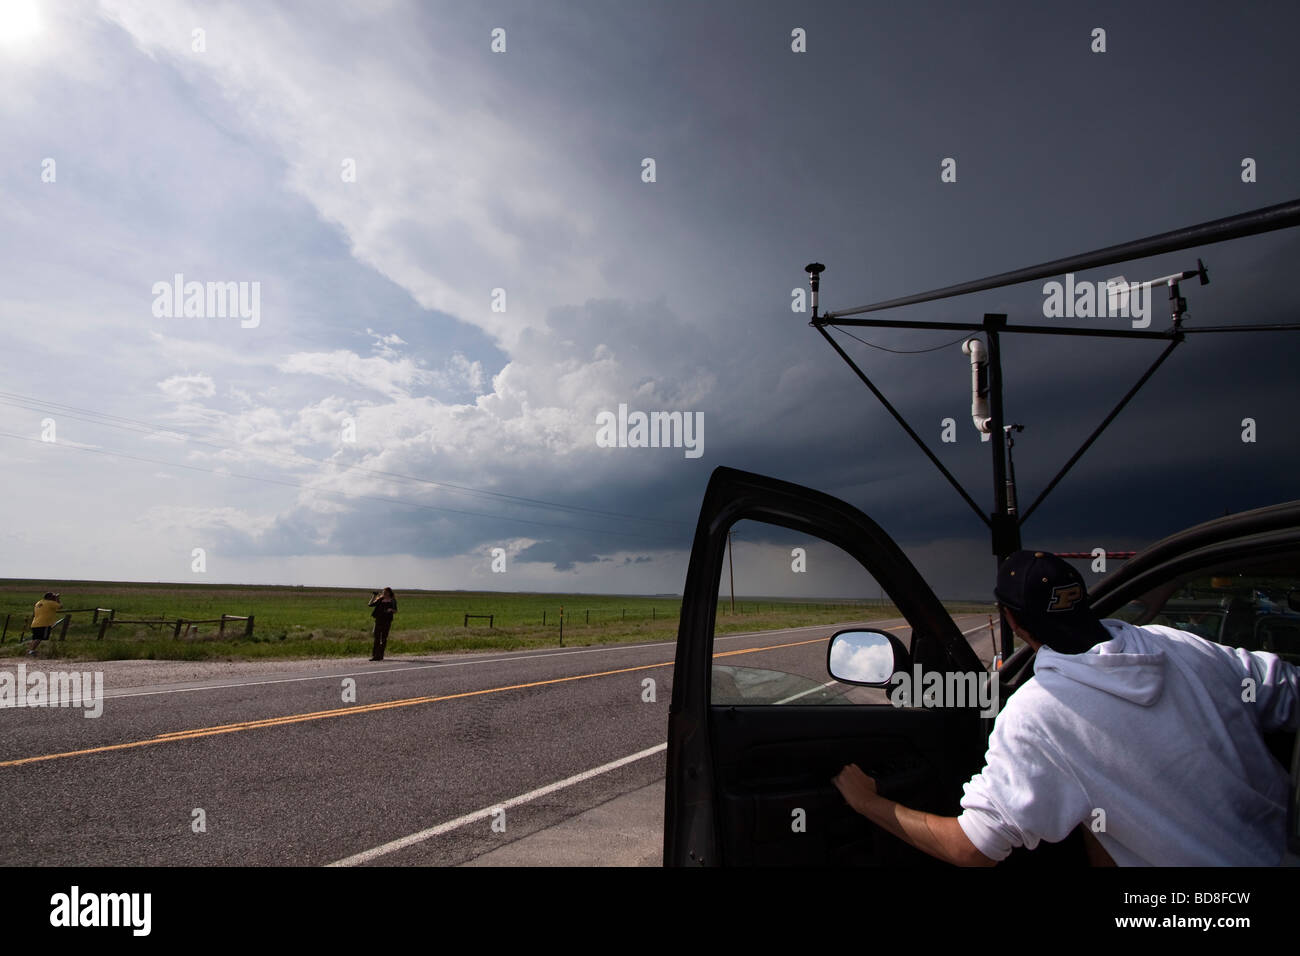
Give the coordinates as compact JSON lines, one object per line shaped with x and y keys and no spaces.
{"x":867,"y":658}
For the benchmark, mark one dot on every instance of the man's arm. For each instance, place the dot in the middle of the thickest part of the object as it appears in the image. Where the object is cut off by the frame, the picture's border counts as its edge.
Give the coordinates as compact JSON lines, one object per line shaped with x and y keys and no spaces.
{"x":941,"y":837}
{"x":1276,"y":688}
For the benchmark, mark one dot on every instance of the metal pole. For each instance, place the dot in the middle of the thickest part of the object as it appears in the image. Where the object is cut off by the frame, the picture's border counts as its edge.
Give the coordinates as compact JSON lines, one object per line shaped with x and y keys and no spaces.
{"x":732,"y":572}
{"x":824,"y":322}
{"x":1006,"y":530}
{"x":1011,"y":471}
{"x":996,"y":434}
{"x":1282,"y":216}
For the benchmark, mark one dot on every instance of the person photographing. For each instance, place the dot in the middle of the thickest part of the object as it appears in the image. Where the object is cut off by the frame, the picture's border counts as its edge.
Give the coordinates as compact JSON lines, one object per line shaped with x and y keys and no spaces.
{"x":384,"y":605}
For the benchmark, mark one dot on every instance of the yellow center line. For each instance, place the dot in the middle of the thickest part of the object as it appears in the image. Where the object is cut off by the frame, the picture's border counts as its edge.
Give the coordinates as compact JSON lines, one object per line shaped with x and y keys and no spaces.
{"x":770,"y":647}
{"x":360,"y":709}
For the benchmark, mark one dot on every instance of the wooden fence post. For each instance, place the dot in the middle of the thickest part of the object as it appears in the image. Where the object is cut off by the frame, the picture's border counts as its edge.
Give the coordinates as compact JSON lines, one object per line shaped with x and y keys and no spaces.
{"x":180,"y":622}
{"x":103,"y":626}
{"x":63,"y":634}
{"x":248,"y":628}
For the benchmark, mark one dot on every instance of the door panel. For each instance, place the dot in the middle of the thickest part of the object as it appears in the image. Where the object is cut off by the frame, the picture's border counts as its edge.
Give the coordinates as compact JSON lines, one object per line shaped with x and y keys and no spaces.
{"x":773,"y":762}
{"x":737,"y":773}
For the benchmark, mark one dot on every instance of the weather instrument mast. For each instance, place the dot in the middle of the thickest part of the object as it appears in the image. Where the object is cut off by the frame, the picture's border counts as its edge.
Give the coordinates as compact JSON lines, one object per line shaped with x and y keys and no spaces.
{"x":1003,"y":520}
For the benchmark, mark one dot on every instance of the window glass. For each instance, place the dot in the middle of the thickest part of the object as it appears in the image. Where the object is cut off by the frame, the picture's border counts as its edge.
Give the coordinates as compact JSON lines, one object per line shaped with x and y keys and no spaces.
{"x":1253,"y":604}
{"x":781,"y":597}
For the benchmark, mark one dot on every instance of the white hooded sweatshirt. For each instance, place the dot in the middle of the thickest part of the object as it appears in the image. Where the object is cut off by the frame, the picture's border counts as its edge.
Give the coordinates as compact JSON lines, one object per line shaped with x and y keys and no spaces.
{"x":1147,"y":740}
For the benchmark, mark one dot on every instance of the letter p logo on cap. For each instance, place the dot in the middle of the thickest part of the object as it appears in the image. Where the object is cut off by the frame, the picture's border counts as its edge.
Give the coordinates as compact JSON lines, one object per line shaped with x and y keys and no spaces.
{"x":1065,"y":597}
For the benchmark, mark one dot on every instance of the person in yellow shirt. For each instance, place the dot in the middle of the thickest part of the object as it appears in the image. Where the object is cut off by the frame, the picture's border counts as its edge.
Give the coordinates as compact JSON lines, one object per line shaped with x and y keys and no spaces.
{"x":43,"y":617}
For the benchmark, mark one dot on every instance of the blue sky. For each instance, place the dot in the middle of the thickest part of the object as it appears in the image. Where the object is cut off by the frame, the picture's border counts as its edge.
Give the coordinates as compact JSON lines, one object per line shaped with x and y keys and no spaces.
{"x":224,"y":156}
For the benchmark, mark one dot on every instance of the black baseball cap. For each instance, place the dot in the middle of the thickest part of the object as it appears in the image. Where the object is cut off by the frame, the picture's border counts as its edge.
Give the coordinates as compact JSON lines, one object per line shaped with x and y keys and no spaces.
{"x":1050,"y":601}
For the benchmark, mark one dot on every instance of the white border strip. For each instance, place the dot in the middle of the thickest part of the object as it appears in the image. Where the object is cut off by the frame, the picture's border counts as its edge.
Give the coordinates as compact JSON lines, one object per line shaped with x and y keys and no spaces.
{"x":367,"y":855}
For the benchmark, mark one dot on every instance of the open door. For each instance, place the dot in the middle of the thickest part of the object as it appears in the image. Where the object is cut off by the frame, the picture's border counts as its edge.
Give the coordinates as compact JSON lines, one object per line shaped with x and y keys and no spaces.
{"x":750,"y":766}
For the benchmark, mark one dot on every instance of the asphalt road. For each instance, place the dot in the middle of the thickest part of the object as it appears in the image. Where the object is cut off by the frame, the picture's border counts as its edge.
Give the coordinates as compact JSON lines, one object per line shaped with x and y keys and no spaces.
{"x":435,"y":761}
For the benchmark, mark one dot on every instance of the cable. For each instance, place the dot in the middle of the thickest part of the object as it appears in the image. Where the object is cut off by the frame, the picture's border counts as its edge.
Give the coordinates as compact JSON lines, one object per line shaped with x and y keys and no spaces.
{"x":899,"y":351}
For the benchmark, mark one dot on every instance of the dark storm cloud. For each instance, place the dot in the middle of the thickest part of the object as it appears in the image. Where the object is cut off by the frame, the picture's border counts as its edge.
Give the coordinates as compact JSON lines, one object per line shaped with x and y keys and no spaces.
{"x":676,"y":294}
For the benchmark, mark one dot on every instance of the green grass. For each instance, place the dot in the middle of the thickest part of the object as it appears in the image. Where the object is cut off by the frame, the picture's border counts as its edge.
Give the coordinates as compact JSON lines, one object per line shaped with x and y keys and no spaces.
{"x":296,"y":622}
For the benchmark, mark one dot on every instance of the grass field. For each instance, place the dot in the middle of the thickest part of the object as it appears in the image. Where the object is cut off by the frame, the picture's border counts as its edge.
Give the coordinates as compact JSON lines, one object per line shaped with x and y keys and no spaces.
{"x":335,"y":622}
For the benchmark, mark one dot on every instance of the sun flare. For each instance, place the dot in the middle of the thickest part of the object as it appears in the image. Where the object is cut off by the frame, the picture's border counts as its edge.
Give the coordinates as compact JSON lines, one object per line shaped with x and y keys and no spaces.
{"x":20,"y":22}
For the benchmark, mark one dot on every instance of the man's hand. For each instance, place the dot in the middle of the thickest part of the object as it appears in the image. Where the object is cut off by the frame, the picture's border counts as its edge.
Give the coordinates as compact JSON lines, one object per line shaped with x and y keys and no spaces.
{"x":857,"y":788}
{"x":941,"y":837}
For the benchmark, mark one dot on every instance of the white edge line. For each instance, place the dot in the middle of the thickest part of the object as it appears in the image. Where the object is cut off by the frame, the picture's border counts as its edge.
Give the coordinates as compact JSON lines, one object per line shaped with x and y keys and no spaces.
{"x":400,"y":844}
{"x":805,"y":693}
